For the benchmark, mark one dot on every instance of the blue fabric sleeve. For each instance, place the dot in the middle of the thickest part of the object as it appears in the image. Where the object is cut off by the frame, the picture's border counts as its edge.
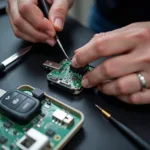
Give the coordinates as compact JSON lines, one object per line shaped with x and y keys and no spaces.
{"x":98,"y":23}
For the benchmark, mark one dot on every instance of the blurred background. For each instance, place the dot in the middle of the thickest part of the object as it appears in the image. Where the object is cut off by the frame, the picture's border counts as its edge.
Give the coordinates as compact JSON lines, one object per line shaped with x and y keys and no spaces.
{"x":80,"y":10}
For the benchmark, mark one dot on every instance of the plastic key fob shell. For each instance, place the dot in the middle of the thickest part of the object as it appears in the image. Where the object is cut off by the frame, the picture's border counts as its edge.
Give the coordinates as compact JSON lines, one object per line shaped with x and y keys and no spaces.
{"x":19,"y":106}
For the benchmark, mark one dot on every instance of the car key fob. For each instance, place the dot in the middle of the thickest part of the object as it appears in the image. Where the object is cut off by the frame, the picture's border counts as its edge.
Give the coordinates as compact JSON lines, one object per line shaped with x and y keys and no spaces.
{"x":19,"y":106}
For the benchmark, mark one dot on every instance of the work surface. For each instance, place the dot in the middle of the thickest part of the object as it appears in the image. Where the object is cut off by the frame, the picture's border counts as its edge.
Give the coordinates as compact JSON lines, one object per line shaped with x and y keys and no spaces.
{"x":97,"y":132}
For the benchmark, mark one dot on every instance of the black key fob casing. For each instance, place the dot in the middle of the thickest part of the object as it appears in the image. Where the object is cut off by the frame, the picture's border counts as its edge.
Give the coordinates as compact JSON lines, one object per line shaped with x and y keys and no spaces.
{"x":19,"y":106}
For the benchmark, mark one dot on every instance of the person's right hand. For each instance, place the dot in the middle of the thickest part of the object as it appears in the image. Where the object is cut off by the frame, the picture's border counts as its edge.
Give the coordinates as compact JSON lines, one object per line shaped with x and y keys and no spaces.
{"x":29,"y":23}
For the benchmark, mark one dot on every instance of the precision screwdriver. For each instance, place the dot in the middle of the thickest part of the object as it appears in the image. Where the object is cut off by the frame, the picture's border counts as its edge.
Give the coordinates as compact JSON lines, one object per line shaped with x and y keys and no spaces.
{"x":143,"y":145}
{"x":44,"y":7}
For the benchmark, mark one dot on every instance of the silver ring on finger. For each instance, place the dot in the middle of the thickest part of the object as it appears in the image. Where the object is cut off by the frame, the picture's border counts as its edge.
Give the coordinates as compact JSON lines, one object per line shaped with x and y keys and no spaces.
{"x":142,"y":81}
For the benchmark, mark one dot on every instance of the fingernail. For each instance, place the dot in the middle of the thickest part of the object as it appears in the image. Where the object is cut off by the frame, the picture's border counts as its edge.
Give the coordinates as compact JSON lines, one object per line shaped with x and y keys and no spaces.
{"x":50,"y":33}
{"x":51,"y":42}
{"x":58,"y":23}
{"x":74,"y":62}
{"x":75,"y":51}
{"x":85,"y":83}
{"x":96,"y":35}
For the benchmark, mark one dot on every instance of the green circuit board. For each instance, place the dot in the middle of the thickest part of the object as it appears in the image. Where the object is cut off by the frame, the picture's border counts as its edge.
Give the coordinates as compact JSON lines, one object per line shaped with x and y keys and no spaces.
{"x":67,"y":78}
{"x":60,"y":133}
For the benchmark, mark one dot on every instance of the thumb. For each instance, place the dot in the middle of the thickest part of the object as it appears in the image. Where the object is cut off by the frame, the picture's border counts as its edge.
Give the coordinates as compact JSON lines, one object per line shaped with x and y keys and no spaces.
{"x":58,"y":13}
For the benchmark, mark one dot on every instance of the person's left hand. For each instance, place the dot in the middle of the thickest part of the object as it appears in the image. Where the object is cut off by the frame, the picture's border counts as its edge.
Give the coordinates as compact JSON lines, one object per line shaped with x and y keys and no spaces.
{"x":117,"y":76}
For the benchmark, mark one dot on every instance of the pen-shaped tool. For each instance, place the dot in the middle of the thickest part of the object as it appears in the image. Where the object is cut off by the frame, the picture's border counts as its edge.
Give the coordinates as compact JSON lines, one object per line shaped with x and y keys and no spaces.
{"x":125,"y":130}
{"x":13,"y":58}
{"x":44,"y":7}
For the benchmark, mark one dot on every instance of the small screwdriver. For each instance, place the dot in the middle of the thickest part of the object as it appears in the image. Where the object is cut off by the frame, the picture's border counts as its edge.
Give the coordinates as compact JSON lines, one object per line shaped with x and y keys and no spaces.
{"x":44,"y":7}
{"x":143,"y":145}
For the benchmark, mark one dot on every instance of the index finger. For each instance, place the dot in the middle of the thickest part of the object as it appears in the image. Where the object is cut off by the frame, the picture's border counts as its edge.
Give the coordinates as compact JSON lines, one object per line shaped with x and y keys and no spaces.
{"x":101,"y":46}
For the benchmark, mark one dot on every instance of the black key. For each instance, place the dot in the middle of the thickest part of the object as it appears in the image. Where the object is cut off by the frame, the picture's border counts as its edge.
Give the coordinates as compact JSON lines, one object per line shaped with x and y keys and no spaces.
{"x":6,"y":99}
{"x":26,"y":106}
{"x":16,"y":101}
{"x":21,"y":108}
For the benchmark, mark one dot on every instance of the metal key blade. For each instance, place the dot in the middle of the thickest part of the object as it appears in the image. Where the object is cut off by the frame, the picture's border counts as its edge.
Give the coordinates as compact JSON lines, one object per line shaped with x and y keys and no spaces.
{"x":16,"y":56}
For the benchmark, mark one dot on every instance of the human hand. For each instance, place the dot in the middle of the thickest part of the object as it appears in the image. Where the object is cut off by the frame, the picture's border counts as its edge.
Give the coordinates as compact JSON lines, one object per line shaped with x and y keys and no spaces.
{"x":29,"y":23}
{"x":117,"y":76}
